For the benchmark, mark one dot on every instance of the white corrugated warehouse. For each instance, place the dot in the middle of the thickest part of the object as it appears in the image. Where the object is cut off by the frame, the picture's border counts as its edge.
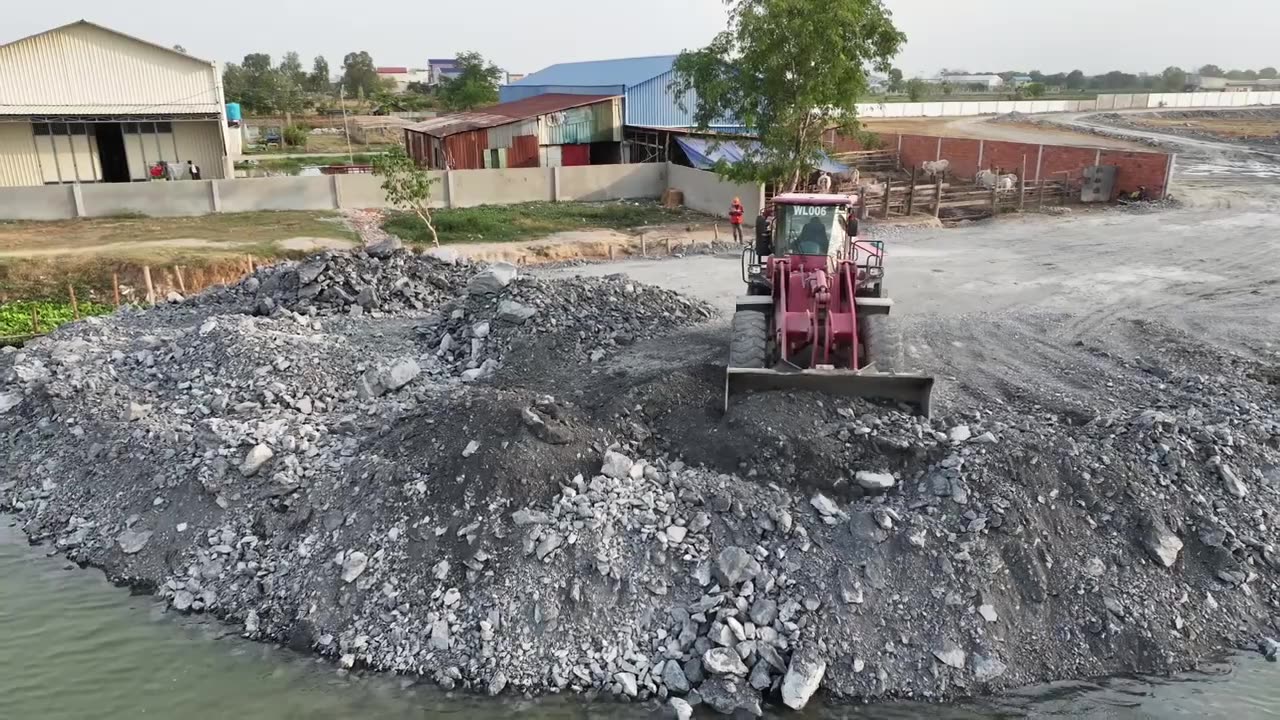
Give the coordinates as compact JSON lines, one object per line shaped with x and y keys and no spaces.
{"x":83,"y":103}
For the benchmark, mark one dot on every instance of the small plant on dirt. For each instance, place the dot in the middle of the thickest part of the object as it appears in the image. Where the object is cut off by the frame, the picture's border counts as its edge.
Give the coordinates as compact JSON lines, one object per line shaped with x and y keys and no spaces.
{"x":407,"y":186}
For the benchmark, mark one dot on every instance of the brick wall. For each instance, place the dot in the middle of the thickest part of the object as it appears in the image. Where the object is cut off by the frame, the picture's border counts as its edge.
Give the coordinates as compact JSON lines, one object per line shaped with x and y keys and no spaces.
{"x":967,"y":156}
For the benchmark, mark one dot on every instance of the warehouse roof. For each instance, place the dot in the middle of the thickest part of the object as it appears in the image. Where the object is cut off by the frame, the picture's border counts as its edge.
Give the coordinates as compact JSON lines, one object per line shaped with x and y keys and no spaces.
{"x":496,"y":115}
{"x":104,"y":28}
{"x":625,"y":71}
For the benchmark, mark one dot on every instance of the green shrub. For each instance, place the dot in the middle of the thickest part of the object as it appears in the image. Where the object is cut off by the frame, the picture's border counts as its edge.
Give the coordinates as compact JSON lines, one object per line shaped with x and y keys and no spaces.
{"x":15,"y":317}
{"x":296,"y":135}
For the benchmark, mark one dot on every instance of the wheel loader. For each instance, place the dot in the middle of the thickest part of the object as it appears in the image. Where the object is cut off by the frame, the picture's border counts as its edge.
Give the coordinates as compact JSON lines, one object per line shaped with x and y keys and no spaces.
{"x":816,"y":315}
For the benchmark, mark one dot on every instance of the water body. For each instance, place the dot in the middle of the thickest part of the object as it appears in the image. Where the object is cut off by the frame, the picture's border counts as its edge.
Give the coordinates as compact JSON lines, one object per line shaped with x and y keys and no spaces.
{"x":72,"y":647}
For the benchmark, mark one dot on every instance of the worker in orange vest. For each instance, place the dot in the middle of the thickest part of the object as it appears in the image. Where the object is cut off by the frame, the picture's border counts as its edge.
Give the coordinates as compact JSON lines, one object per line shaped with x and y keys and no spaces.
{"x":735,"y":219}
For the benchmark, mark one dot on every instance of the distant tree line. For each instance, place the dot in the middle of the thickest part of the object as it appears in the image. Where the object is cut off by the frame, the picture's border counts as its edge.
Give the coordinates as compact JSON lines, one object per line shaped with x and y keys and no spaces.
{"x":1172,"y":79}
{"x":265,"y":88}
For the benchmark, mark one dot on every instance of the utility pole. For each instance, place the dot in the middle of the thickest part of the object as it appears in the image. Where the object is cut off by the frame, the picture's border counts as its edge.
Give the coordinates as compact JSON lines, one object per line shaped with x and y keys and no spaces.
{"x":346,"y":129}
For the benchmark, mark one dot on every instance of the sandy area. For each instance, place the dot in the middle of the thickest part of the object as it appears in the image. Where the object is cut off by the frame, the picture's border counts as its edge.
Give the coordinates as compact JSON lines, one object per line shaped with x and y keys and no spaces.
{"x":984,"y":128}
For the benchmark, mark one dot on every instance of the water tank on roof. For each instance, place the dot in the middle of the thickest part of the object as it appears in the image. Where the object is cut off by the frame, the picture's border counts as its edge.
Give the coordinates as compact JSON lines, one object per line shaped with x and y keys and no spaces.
{"x":233,"y":112}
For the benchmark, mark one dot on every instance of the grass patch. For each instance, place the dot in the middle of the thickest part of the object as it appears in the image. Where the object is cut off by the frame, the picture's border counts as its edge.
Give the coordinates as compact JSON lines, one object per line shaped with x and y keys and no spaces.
{"x":16,"y":317}
{"x":530,"y":221}
{"x":294,"y":165}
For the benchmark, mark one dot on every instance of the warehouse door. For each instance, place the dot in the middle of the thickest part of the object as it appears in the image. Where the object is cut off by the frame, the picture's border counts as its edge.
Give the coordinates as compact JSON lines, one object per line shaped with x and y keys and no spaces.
{"x":575,"y":155}
{"x":115,"y":162}
{"x":67,"y":152}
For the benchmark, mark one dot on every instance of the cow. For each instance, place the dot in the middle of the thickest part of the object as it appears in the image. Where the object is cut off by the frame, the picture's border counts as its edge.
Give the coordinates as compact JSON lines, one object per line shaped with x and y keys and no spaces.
{"x":935,"y":170}
{"x":991,"y":179}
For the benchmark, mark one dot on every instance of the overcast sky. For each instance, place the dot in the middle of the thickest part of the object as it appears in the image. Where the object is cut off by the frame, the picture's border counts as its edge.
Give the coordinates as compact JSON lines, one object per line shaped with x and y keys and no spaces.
{"x":526,"y":35}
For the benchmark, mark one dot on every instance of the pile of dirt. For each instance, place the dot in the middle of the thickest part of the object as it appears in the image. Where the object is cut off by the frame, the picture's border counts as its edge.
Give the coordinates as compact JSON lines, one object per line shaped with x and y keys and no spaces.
{"x":518,"y":485}
{"x":1248,"y":127}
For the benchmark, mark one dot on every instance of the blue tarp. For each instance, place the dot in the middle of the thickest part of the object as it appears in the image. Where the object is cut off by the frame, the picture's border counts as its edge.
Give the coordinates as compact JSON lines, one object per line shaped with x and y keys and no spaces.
{"x":704,"y":157}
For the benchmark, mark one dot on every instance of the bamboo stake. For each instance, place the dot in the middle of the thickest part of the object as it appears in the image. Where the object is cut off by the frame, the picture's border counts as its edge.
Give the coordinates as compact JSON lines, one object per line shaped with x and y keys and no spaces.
{"x":911,"y":194}
{"x":115,"y":287}
{"x":1022,"y":185}
{"x":151,"y":289}
{"x":35,"y":321}
{"x":75,"y":307}
{"x":182,"y":285}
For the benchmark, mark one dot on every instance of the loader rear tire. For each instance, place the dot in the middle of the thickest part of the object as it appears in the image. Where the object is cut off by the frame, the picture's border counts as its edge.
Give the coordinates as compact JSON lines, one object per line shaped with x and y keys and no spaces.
{"x":749,"y":346}
{"x":884,"y":343}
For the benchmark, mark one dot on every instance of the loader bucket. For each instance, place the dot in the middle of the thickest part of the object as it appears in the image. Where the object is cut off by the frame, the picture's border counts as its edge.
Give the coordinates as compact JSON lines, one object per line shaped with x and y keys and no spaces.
{"x":913,"y":390}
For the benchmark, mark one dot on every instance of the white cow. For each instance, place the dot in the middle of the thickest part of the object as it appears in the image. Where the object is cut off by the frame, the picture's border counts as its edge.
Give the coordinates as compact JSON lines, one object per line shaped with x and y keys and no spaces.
{"x":989,"y":179}
{"x":936,"y":168}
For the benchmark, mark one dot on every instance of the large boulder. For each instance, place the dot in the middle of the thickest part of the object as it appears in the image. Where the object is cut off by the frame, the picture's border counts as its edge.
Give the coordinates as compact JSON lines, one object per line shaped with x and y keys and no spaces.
{"x":804,"y":675}
{"x":493,"y":279}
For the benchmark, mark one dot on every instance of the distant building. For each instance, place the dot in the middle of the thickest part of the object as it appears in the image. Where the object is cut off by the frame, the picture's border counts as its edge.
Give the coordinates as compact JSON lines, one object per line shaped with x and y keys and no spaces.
{"x":402,"y":76}
{"x":990,"y":82}
{"x":550,"y":130}
{"x":85,"y":104}
{"x":443,"y":69}
{"x":1020,"y":80}
{"x":1204,"y":83}
{"x":644,"y":83}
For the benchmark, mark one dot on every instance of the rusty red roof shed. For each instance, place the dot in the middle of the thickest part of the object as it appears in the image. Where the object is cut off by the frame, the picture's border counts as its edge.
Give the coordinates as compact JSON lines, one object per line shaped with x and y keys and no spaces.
{"x":501,"y":114}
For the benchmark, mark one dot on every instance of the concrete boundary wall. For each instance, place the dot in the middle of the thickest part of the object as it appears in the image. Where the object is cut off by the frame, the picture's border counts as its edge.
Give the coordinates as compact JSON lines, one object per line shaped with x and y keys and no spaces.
{"x":457,"y":188}
{"x":709,"y":193}
{"x":176,"y":199}
{"x":1122,"y":101}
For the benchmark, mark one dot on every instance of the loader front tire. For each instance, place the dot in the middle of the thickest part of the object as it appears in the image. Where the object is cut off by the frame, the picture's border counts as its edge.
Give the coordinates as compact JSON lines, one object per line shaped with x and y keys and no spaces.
{"x":749,"y":346}
{"x":884,"y":345}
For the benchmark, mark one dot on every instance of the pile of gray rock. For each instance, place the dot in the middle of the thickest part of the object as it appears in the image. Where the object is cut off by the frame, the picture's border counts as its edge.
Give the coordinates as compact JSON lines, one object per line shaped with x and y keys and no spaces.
{"x":360,"y":480}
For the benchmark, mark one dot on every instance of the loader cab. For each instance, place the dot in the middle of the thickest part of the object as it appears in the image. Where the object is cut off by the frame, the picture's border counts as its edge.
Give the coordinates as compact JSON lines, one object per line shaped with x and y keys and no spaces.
{"x":812,"y":224}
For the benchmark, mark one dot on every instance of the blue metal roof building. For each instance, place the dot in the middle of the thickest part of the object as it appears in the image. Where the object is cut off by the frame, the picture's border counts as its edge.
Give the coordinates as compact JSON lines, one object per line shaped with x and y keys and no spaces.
{"x":643,"y":82}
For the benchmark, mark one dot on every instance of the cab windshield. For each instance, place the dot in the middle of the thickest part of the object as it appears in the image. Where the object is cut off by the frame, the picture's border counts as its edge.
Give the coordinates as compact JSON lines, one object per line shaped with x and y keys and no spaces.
{"x":806,"y":229}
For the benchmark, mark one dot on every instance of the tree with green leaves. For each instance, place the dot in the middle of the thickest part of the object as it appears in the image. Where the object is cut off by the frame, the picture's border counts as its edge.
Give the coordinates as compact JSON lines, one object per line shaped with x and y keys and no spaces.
{"x":319,"y":81}
{"x":1033,"y":90}
{"x":292,"y":82}
{"x":1267,"y":73}
{"x":475,"y":85}
{"x":359,"y":76}
{"x":1211,"y":71}
{"x":407,"y":186}
{"x":1075,"y":80}
{"x":788,"y":70}
{"x":254,"y":83}
{"x":895,"y":80}
{"x":1173,"y":79}
{"x":917,"y":89}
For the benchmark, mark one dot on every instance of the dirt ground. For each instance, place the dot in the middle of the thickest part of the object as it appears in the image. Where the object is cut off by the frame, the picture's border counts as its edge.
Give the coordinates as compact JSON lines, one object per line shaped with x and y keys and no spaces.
{"x":984,"y":128}
{"x":1035,"y":293}
{"x":1244,"y":124}
{"x":298,"y":230}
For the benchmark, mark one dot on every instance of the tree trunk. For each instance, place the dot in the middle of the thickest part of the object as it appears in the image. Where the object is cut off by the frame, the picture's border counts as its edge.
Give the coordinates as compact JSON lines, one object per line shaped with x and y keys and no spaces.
{"x":425,"y":215}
